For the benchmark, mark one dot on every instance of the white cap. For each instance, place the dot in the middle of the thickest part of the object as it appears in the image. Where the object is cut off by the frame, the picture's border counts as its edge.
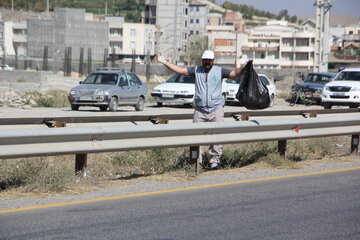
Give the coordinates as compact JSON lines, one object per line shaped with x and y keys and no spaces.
{"x":208,"y":54}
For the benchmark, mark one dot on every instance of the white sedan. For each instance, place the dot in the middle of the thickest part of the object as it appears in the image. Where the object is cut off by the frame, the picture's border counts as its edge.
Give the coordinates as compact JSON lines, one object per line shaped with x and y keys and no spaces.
{"x":179,"y":89}
{"x":233,"y":87}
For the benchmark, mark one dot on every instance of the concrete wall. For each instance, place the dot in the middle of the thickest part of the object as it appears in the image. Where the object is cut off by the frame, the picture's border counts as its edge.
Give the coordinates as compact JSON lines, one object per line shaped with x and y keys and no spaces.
{"x":67,"y":29}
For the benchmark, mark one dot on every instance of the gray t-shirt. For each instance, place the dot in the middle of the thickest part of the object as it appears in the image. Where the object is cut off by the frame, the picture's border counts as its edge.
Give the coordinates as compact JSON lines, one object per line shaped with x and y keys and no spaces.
{"x":224,"y":72}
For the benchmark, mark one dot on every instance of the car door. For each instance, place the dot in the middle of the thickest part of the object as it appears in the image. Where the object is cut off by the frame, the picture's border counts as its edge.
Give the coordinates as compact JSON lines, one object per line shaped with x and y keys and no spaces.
{"x":136,"y":87}
{"x":124,"y":90}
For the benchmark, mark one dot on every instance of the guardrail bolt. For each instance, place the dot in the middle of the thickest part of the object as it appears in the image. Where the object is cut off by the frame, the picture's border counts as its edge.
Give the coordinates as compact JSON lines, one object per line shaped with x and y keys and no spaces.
{"x":313,"y":114}
{"x":245,"y":117}
{"x":355,"y":144}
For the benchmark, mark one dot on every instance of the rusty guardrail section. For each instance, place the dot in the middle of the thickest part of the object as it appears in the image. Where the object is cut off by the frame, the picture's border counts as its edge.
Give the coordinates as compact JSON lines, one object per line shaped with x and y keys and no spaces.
{"x":26,"y":142}
{"x":179,"y":116}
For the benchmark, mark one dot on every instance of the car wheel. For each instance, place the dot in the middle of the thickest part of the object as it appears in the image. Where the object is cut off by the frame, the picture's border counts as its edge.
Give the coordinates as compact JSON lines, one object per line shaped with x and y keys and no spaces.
{"x":327,"y":105}
{"x":354,"y":106}
{"x":113,"y":104}
{"x":159,"y":104}
{"x":74,"y":107}
{"x":103,"y":108}
{"x":140,"y":104}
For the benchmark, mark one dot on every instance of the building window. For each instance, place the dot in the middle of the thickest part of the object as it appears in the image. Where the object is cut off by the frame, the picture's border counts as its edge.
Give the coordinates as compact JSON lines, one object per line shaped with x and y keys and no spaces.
{"x":133,"y":32}
{"x":197,"y":9}
{"x":185,"y":23}
{"x":116,"y":31}
{"x":197,"y":21}
{"x":191,"y":21}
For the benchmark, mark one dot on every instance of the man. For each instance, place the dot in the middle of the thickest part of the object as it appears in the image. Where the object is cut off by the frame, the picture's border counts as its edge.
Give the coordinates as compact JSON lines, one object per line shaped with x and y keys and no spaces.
{"x":208,"y":94}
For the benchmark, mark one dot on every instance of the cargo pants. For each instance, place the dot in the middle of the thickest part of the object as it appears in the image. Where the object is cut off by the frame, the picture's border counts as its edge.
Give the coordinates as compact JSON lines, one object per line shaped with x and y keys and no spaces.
{"x":215,"y":151}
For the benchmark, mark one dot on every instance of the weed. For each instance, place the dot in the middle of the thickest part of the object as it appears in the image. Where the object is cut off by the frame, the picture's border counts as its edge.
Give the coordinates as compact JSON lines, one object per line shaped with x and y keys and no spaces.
{"x":56,"y":174}
{"x":53,"y":98}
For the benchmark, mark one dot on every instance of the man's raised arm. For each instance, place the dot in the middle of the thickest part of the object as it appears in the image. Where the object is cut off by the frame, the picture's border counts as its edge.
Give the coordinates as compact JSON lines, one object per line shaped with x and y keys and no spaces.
{"x":173,"y":67}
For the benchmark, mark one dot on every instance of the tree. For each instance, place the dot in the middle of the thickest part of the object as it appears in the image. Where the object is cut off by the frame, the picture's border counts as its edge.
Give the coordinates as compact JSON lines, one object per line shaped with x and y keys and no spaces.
{"x":283,"y":14}
{"x":197,"y":45}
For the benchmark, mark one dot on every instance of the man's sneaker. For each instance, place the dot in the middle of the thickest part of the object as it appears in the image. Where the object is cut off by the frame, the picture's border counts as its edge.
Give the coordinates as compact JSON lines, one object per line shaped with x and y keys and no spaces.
{"x":214,"y":166}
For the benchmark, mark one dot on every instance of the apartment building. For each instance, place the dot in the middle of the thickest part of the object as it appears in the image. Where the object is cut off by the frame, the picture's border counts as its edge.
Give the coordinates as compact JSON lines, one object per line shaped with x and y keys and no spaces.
{"x":198,"y":19}
{"x":128,"y":38}
{"x":172,"y":17}
{"x":273,"y":46}
{"x":68,"y":28}
{"x":277,"y":45}
{"x":224,"y":41}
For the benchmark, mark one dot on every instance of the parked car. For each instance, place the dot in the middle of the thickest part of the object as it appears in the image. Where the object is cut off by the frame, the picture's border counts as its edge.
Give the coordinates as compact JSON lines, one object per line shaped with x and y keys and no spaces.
{"x":6,"y":67}
{"x":109,"y":89}
{"x":233,"y":86}
{"x":343,"y":90}
{"x":313,"y":85}
{"x":179,"y":89}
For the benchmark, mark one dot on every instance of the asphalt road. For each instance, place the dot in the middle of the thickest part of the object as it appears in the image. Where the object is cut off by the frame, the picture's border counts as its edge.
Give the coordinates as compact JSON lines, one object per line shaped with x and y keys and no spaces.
{"x":320,"y":206}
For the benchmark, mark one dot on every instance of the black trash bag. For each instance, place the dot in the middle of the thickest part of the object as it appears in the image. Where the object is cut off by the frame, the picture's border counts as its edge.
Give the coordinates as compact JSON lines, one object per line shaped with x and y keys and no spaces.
{"x":253,"y":93}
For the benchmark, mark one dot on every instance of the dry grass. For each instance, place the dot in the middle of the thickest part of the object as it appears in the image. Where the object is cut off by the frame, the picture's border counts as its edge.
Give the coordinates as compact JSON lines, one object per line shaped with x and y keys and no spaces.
{"x":48,"y":175}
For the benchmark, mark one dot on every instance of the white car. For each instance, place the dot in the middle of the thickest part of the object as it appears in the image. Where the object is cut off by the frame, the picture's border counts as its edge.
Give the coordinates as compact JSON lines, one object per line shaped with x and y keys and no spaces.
{"x":179,"y":89}
{"x":6,"y":67}
{"x":233,"y":87}
{"x":344,"y":90}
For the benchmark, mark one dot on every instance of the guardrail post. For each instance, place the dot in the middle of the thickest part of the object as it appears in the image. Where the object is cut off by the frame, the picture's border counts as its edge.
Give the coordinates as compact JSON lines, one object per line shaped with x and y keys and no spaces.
{"x":354,"y":144}
{"x":80,"y":162}
{"x":282,"y":148}
{"x":194,"y":157}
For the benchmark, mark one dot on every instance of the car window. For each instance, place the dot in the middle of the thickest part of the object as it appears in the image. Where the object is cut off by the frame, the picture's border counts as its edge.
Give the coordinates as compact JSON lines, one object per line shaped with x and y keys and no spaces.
{"x":133,"y":79}
{"x":234,"y":80}
{"x":317,"y":78}
{"x":101,"y":78}
{"x":177,"y":78}
{"x":264,"y":80}
{"x":350,"y":76}
{"x":123,"y":80}
{"x":187,"y":79}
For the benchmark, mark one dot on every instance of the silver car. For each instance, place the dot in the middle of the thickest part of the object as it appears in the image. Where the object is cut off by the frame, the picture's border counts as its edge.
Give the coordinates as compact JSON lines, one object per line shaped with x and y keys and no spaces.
{"x":109,"y":89}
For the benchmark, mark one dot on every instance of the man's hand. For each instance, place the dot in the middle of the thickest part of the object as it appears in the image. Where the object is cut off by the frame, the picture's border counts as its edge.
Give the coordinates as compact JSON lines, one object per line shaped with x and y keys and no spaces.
{"x":160,"y":58}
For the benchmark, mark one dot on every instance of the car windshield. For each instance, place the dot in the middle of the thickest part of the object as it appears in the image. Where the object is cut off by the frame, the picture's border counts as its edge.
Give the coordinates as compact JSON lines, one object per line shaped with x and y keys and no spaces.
{"x":177,"y":78}
{"x":233,"y":80}
{"x":238,"y":79}
{"x":316,"y":78}
{"x":101,"y":78}
{"x":348,"y":76}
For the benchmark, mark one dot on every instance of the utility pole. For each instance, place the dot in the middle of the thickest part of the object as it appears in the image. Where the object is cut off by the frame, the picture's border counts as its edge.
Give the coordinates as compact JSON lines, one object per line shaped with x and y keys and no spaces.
{"x":47,"y":7}
{"x":322,"y":48}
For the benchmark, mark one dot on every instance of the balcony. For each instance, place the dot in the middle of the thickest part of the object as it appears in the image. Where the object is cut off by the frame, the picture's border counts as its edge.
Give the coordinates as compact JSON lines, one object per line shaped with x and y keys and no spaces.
{"x":20,"y":39}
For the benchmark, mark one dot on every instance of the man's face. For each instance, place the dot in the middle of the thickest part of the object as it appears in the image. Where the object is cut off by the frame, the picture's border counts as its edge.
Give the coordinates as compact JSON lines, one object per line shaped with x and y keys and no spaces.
{"x":207,"y":64}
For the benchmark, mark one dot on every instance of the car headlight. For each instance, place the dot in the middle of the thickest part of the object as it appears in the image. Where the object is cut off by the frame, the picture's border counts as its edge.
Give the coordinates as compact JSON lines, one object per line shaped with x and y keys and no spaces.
{"x":156,"y":90}
{"x":318,"y":91}
{"x":354,"y":89}
{"x":327,"y":88}
{"x":73,"y":92}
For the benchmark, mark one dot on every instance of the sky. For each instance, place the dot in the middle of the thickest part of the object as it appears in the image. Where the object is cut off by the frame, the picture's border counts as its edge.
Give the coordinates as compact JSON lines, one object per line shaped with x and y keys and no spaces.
{"x":301,"y":7}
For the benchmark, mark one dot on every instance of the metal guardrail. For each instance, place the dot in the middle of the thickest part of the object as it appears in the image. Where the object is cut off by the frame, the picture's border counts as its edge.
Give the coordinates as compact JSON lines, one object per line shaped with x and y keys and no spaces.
{"x":180,"y":116}
{"x":26,"y":142}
